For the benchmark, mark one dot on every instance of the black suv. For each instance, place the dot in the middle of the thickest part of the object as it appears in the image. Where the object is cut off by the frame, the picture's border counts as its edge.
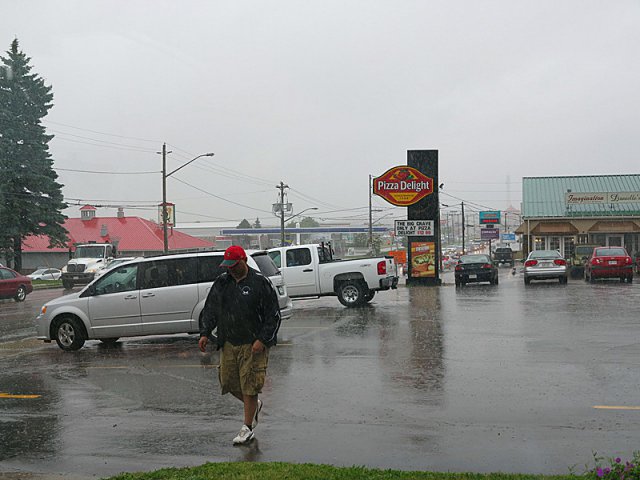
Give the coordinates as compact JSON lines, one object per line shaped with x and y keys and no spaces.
{"x":503,"y":255}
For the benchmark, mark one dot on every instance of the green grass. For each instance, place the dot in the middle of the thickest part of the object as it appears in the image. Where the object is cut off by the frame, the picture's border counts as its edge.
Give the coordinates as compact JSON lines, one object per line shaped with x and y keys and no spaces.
{"x":285,"y":471}
{"x":46,"y":283}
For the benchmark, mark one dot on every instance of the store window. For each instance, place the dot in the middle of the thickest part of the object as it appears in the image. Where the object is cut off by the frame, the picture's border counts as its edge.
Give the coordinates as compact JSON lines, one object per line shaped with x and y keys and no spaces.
{"x":554,"y":243}
{"x":539,"y":243}
{"x":569,"y":247}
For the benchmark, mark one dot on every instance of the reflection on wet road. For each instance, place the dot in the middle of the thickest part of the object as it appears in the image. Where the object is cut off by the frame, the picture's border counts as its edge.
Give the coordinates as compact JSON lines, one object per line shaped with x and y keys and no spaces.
{"x":480,"y":378}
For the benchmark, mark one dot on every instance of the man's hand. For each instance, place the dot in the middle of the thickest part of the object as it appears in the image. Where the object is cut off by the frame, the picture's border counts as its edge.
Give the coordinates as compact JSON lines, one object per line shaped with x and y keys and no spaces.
{"x":257,"y":347}
{"x":202,"y":343}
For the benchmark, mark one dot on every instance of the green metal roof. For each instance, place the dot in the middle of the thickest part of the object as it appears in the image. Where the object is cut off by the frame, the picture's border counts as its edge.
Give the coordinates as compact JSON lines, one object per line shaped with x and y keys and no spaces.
{"x":545,"y":196}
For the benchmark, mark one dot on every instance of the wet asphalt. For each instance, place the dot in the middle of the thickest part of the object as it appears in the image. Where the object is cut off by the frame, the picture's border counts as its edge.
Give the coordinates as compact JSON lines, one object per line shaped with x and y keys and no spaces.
{"x":483,"y":378}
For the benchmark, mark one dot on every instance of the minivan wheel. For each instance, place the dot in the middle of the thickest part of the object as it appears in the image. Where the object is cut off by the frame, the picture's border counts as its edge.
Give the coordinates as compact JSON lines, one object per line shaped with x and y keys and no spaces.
{"x":21,"y":294}
{"x":69,"y":334}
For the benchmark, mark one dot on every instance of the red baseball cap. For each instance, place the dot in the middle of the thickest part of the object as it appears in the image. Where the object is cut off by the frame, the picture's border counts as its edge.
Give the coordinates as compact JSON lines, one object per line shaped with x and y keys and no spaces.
{"x":233,"y":255}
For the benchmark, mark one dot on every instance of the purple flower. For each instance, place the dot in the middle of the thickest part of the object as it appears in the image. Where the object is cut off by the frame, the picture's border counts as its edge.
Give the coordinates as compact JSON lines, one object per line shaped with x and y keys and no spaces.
{"x":607,"y":470}
{"x":618,"y":460}
{"x":599,"y":472}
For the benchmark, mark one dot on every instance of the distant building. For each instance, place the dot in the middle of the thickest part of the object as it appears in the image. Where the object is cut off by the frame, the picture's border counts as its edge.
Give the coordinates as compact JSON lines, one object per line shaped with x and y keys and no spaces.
{"x":133,"y":236}
{"x":560,"y":212}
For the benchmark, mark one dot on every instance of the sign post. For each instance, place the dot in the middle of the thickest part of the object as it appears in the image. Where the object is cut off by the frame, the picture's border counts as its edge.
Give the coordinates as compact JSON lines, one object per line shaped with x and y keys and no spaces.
{"x":415,"y":186}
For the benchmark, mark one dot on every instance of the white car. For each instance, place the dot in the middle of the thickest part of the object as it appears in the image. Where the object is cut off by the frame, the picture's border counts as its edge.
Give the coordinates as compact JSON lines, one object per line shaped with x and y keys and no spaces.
{"x":46,"y":274}
{"x":147,"y":296}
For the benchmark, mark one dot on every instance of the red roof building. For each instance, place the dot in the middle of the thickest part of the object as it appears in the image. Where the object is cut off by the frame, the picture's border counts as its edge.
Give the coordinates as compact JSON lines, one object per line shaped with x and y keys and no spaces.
{"x":133,"y":236}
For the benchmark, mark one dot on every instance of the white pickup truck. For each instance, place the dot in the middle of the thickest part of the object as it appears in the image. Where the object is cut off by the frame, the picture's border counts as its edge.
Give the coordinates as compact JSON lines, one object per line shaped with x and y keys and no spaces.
{"x":311,"y":271}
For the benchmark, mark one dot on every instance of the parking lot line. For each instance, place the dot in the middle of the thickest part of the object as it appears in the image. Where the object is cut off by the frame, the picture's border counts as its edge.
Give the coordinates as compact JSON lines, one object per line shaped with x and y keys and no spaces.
{"x":8,"y":395}
{"x":615,"y":407}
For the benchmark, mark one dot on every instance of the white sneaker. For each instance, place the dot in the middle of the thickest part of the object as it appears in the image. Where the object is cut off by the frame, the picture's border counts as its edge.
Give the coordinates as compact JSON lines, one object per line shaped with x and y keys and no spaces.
{"x":255,"y":417}
{"x":244,"y":436}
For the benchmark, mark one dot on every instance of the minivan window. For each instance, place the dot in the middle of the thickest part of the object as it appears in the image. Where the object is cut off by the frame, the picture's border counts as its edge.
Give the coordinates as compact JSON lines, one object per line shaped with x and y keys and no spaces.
{"x":209,"y":268}
{"x":168,"y":273}
{"x":267,"y":267}
{"x":298,"y":257}
{"x":123,"y":279}
{"x":276,"y":257}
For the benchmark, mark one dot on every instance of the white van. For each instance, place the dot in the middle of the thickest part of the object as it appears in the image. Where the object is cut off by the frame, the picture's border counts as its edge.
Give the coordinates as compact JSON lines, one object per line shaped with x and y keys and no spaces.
{"x":150,"y":296}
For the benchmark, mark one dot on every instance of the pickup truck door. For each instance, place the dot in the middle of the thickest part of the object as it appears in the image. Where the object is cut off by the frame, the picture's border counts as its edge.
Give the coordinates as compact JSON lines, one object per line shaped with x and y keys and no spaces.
{"x":300,"y":271}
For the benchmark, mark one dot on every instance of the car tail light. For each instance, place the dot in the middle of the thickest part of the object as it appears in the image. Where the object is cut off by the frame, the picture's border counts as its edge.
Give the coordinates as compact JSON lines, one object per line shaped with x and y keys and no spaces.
{"x":382,"y":268}
{"x":596,"y":261}
{"x":459,"y":268}
{"x":628,"y":261}
{"x":530,"y":263}
{"x":560,"y":261}
{"x":486,"y":265}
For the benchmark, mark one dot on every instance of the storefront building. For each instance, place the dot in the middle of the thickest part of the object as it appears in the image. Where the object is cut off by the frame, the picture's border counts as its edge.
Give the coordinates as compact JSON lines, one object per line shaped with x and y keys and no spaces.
{"x":559,"y":213}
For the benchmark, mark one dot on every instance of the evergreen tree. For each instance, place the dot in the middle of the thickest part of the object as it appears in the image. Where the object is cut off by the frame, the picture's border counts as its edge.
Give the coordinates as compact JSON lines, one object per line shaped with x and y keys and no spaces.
{"x":31,"y":200}
{"x":244,"y":224}
{"x":257,"y":223}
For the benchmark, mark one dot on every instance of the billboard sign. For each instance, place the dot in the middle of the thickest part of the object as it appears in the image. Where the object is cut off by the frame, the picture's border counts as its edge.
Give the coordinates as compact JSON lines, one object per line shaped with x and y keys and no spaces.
{"x":489,"y":234}
{"x":403,"y":186}
{"x":490,"y":217}
{"x":508,"y":237}
{"x":423,"y":259}
{"x":413,"y":227}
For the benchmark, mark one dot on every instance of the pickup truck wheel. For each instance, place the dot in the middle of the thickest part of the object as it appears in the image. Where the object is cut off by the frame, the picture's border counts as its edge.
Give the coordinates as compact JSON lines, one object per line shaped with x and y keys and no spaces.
{"x":69,"y":334}
{"x":351,"y":294}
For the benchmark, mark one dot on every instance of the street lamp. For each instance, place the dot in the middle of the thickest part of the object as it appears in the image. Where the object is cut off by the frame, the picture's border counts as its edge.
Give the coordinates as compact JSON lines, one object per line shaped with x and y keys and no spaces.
{"x":164,"y":191}
{"x":287,"y":219}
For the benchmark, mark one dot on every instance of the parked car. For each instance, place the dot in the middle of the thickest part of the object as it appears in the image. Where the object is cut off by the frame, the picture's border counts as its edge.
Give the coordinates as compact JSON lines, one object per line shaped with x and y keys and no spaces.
{"x":545,"y":265}
{"x":46,"y":274}
{"x":114,"y":263}
{"x":14,"y":285}
{"x":503,"y":255}
{"x":148,"y":296}
{"x":581,"y":254}
{"x":474,"y":269}
{"x":609,"y":262}
{"x":269,"y":269}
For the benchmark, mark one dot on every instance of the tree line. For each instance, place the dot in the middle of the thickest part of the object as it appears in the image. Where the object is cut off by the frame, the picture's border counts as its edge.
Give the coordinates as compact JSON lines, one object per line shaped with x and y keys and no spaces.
{"x":31,"y":200}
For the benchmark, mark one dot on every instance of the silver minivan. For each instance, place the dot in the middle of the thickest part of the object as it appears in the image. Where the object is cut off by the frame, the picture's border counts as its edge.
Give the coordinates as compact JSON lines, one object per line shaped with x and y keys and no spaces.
{"x":150,"y":296}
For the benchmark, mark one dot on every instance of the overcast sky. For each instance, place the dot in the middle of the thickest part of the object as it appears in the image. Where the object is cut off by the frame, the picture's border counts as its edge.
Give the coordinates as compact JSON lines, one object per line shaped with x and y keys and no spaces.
{"x":320,"y":94}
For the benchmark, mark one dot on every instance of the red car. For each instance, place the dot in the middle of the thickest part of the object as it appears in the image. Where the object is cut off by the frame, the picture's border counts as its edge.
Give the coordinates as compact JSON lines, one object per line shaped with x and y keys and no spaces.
{"x":609,"y":262}
{"x":14,"y":285}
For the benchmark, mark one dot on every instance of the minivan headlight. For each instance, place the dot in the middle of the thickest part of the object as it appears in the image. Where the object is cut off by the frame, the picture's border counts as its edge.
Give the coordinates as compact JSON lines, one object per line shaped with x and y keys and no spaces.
{"x":43,"y":310}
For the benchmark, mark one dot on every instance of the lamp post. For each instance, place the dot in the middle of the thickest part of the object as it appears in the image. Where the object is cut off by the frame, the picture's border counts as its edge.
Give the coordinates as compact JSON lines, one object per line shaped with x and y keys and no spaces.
{"x":164,"y":190}
{"x":282,"y":220}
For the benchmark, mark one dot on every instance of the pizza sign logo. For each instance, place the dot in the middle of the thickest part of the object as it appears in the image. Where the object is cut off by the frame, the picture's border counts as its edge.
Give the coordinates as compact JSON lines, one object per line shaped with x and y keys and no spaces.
{"x":403,"y":186}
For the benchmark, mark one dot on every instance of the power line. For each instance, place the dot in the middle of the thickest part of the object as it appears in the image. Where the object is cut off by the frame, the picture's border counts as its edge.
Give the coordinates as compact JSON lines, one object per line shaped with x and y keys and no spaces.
{"x":221,"y":198}
{"x":101,"y":133}
{"x":96,"y":140}
{"x":104,"y":146}
{"x":105,"y":173}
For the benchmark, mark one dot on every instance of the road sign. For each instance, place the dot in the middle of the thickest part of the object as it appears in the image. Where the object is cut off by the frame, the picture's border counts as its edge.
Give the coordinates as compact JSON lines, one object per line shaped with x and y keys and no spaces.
{"x":508,"y":237}
{"x":489,"y":233}
{"x":414,"y":227}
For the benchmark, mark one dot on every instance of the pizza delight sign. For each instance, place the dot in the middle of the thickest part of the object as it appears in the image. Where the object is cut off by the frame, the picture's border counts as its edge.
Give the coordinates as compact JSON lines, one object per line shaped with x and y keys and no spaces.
{"x":403,"y":186}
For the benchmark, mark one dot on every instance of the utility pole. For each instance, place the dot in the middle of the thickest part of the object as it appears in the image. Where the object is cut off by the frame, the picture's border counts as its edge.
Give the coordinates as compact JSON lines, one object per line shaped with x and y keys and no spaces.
{"x":281,"y":187}
{"x":165,"y":235}
{"x":463,"y":228}
{"x":370,"y":218}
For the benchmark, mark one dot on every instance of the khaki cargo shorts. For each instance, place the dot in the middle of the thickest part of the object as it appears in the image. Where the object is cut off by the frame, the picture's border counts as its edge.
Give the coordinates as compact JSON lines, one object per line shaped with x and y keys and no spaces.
{"x":242,"y":371}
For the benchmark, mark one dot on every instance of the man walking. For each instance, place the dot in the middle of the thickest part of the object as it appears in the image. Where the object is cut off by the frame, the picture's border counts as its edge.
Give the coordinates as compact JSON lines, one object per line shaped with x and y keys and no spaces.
{"x":243,"y":306}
